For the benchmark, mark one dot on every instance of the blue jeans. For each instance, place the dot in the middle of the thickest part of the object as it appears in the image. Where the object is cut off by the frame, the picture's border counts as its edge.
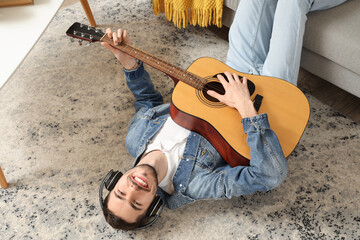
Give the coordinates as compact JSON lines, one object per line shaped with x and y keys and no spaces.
{"x":266,"y":36}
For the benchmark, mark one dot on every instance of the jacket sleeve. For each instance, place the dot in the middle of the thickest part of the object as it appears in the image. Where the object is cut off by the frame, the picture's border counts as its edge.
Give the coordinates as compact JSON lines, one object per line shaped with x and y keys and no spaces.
{"x":141,"y":86}
{"x":268,"y":165}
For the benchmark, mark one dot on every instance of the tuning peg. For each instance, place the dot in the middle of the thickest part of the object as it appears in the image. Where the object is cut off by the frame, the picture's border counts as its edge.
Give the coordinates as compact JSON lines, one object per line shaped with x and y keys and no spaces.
{"x":80,"y":42}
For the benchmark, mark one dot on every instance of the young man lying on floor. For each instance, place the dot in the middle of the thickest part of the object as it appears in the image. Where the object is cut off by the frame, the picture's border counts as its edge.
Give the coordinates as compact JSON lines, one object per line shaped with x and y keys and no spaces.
{"x":181,"y":166}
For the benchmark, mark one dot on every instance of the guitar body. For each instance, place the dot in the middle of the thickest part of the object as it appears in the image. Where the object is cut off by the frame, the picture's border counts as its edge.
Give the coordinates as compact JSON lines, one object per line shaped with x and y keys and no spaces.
{"x":286,"y":106}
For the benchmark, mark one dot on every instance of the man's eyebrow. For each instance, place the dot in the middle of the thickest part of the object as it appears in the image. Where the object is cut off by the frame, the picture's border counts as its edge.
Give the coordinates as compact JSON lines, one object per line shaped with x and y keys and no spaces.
{"x":132,"y":205}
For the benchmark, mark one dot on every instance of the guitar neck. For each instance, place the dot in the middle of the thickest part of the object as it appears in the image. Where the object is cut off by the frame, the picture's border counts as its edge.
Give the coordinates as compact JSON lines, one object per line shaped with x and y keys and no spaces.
{"x":161,"y":65}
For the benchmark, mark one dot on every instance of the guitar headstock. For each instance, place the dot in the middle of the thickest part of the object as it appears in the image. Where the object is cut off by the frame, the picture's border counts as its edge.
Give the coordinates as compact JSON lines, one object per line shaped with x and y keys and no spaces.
{"x":85,"y":32}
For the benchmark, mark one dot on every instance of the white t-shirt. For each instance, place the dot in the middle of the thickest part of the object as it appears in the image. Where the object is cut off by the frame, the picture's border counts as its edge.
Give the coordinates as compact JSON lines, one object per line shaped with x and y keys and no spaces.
{"x":171,"y":140}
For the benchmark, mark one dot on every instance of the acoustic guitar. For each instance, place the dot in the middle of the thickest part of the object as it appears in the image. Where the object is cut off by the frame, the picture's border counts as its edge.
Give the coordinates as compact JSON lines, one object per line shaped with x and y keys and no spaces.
{"x":191,"y":107}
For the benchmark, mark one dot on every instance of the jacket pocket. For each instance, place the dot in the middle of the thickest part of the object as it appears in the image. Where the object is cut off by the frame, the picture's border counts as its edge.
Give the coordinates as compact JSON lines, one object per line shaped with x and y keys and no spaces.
{"x":205,"y":157}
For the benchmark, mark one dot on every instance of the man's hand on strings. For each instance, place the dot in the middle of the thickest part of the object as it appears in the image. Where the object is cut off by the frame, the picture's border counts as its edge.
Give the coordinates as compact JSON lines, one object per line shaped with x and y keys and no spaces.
{"x":236,"y":94}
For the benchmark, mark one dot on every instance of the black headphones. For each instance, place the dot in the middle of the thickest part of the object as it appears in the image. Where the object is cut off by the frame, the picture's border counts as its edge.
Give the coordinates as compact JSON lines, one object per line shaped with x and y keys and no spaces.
{"x":153,"y":212}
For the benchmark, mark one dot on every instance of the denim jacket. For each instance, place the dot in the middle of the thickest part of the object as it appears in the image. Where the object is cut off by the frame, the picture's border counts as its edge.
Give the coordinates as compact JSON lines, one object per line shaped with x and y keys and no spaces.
{"x":202,"y":173}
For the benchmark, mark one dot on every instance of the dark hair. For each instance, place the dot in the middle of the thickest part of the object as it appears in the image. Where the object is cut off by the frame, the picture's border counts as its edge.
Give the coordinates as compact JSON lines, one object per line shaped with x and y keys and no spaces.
{"x":117,"y":222}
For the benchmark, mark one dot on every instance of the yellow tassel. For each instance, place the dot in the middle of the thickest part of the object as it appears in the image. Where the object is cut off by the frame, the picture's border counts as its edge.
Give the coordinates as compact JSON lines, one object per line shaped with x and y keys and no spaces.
{"x":184,"y":12}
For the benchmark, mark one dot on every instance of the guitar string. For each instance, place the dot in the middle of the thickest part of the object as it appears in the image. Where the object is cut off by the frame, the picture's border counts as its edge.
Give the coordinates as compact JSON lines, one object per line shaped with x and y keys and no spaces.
{"x":200,"y":83}
{"x":181,"y":73}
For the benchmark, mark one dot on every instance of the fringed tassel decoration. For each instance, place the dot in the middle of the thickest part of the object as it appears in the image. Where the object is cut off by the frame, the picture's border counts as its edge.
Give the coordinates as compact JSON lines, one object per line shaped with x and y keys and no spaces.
{"x":184,"y":13}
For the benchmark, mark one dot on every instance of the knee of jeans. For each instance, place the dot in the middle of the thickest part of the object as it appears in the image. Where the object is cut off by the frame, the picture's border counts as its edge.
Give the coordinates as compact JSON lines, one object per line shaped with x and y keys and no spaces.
{"x":302,"y":4}
{"x":307,"y":4}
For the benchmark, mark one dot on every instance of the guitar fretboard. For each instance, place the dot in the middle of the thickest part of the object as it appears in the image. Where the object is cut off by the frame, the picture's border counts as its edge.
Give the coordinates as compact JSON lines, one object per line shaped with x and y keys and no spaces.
{"x":163,"y":66}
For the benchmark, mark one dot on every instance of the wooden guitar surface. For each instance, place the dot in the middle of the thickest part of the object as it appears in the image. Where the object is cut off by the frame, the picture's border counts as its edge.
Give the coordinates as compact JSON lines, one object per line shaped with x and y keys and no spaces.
{"x":286,"y":106}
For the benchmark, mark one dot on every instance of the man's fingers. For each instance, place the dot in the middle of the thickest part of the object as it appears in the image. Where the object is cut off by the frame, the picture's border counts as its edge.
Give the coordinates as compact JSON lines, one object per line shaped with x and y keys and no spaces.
{"x":120,"y":35}
{"x":244,"y":81}
{"x":222,"y":80}
{"x":115,"y":38}
{"x":126,"y":37}
{"x":229,"y":77}
{"x":109,"y":32}
{"x":236,"y":78}
{"x":214,"y":94}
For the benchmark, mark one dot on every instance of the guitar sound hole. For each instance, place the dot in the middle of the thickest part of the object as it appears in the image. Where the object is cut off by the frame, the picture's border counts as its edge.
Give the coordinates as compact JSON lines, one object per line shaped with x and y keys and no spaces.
{"x":215,"y":86}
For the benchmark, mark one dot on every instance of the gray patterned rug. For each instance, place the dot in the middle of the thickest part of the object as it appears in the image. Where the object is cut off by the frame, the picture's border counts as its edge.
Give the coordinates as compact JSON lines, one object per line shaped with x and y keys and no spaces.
{"x":64,"y":115}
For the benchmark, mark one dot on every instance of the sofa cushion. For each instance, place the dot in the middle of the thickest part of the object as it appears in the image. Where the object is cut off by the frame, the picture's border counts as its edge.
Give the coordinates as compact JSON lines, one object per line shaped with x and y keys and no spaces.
{"x":335,"y":34}
{"x":232,"y":4}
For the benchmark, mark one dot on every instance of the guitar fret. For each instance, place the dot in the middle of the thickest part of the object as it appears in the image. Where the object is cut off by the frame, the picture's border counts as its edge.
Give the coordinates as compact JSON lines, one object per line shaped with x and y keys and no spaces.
{"x":142,"y":58}
{"x":178,"y":72}
{"x":162,"y":64}
{"x":197,"y":82}
{"x":131,"y":51}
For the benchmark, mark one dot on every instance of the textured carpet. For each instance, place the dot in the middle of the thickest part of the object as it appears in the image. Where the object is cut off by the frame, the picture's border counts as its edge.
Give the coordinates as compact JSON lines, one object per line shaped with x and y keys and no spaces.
{"x":64,"y":116}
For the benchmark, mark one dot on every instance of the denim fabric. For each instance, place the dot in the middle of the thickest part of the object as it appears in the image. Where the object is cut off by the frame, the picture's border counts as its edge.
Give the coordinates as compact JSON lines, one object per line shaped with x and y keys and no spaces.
{"x":272,"y":45}
{"x":325,"y":4}
{"x":202,"y":173}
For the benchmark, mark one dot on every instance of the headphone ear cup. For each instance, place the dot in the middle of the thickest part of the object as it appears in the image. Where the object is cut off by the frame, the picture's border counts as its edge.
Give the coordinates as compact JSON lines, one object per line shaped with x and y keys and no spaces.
{"x":112,"y":180}
{"x":153,"y":213}
{"x":154,"y":207}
